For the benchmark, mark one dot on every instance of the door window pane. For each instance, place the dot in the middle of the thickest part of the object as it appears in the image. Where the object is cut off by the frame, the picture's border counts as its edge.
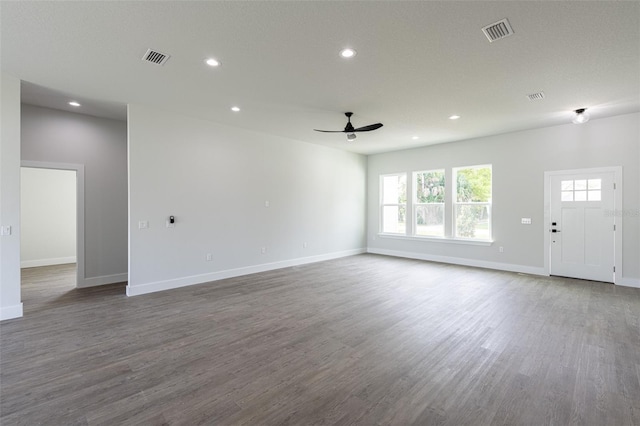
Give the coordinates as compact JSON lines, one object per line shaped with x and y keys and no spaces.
{"x":580,"y":196}
{"x":580,"y":185}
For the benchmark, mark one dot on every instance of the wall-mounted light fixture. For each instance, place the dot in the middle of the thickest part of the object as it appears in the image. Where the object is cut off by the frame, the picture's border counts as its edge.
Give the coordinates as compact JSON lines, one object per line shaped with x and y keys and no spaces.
{"x":580,"y":116}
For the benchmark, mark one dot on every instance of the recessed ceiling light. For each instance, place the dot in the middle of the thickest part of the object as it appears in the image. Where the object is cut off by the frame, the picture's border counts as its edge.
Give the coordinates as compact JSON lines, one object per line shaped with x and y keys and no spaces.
{"x":235,"y":109}
{"x":212,"y":62}
{"x":415,"y":138}
{"x":347,"y":53}
{"x":74,"y":104}
{"x":454,"y":117}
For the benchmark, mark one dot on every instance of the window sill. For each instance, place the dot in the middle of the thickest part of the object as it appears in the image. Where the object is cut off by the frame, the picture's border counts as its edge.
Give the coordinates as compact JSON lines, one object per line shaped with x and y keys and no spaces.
{"x":445,"y":240}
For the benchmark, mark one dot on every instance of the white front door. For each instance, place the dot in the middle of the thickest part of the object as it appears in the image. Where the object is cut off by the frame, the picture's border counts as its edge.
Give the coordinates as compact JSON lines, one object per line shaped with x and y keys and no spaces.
{"x":582,"y":224}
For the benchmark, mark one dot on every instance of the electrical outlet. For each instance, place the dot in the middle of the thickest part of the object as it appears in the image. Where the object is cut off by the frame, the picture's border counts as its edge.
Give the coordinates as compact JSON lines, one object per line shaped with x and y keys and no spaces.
{"x":143,"y":224}
{"x":266,"y":204}
{"x":209,"y":257}
{"x":263,"y":250}
{"x":501,"y":249}
{"x":304,"y":245}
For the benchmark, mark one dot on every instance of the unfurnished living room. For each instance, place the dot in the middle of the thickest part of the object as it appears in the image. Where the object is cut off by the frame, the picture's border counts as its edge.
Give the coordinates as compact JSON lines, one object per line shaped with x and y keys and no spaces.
{"x":320,"y":212}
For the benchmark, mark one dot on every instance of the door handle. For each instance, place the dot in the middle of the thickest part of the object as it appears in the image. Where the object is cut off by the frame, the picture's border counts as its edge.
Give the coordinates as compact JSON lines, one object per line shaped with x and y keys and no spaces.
{"x":554,"y":230}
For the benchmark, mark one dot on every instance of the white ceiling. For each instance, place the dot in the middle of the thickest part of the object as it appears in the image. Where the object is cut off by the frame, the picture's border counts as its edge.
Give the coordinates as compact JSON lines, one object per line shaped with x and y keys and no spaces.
{"x":417,"y":63}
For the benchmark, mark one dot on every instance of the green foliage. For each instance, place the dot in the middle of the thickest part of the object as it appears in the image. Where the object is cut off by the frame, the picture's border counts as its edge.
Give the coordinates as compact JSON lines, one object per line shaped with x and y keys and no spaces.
{"x":430,"y":187}
{"x":467,"y":221}
{"x":474,"y":185}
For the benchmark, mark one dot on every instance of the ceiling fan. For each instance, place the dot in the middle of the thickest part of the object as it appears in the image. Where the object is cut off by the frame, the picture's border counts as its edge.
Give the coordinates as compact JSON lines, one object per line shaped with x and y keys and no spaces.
{"x":350,"y":130}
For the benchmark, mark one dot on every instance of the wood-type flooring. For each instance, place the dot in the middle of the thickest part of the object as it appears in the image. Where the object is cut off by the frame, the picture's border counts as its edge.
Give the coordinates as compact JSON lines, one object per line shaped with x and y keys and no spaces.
{"x":361,"y":340}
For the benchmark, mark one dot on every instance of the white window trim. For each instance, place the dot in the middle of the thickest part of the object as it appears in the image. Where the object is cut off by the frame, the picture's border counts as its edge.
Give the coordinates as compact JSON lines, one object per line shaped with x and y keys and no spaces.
{"x":383,"y":205}
{"x":455,"y":203}
{"x":447,"y":240}
{"x":415,"y":204}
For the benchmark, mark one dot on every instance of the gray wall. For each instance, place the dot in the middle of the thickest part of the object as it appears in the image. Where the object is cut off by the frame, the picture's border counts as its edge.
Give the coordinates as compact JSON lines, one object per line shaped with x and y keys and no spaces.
{"x":47,"y":217}
{"x":10,"y":304}
{"x":519,"y":161}
{"x":216,"y":180}
{"x":100,"y":145}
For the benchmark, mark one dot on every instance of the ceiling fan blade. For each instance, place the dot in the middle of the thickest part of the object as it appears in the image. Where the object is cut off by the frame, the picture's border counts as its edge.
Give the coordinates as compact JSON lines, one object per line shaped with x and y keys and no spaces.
{"x":368,"y":128}
{"x":330,"y":131}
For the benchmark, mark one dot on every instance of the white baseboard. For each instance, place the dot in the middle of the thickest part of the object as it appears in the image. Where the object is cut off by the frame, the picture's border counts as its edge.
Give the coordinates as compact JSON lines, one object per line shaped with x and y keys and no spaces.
{"x":461,"y":261}
{"x":9,"y":312}
{"x":629,"y":282}
{"x":136,"y":290}
{"x":103,"y":280}
{"x":47,"y":262}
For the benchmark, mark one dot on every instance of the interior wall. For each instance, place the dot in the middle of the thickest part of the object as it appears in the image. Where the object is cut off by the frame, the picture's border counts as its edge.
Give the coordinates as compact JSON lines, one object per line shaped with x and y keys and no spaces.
{"x":47,"y":217}
{"x":234,"y":193}
{"x":10,"y":305}
{"x":100,"y":145}
{"x":519,"y":161}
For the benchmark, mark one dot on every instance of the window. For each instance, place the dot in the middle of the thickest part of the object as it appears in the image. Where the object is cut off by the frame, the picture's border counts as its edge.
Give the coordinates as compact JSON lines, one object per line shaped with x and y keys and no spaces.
{"x":472,"y":203}
{"x":394,"y":203}
{"x":581,"y":190}
{"x":428,"y":203}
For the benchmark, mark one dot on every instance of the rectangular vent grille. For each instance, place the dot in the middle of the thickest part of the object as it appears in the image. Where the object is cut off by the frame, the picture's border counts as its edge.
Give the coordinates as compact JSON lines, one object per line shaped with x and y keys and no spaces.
{"x":536,"y":96}
{"x":498,"y":30}
{"x":155,"y":57}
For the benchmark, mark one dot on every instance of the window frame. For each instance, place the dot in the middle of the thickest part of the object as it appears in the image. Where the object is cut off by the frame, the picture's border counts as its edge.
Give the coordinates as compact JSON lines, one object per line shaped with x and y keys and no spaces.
{"x":415,"y":204}
{"x":455,"y":204}
{"x":399,"y":205}
{"x":450,"y":207}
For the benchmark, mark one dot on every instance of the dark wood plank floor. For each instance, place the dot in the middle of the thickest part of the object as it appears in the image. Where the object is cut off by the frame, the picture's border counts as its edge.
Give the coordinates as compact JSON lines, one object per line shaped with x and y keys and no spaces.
{"x":361,"y":340}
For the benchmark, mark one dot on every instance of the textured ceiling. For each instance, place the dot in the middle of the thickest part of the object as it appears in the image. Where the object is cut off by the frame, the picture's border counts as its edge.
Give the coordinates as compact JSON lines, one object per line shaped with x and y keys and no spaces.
{"x":417,"y":63}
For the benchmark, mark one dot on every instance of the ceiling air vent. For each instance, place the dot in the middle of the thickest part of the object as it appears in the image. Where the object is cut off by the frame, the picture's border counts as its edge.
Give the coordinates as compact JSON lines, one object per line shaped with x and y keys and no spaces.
{"x":536,"y":96}
{"x":498,"y":30}
{"x":155,"y":57}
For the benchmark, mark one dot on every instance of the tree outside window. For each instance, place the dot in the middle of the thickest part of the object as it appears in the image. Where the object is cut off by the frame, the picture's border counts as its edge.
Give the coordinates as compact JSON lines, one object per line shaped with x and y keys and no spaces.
{"x":472,"y":204}
{"x":429,"y":191}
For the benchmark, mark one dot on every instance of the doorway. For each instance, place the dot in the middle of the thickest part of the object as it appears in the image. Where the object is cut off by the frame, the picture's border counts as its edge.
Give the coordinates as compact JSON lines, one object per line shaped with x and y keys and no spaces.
{"x":582,"y":236}
{"x":52,"y":216}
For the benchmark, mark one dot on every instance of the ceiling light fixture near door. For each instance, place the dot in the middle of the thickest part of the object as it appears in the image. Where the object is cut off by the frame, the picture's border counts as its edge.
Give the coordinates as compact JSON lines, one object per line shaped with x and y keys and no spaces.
{"x":348,"y":53}
{"x":580,"y":116}
{"x":212,"y":62}
{"x":74,"y":104}
{"x":235,"y":109}
{"x":454,"y":117}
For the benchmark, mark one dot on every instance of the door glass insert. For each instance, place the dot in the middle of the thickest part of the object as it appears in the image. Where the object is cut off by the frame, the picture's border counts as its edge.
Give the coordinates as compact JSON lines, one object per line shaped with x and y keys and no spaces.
{"x":581,"y":190}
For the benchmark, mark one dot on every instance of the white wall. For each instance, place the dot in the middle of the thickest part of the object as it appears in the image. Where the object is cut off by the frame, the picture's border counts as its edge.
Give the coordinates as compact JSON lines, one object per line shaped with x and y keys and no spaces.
{"x":215,"y":180}
{"x":47,"y":217}
{"x":10,"y":305}
{"x":100,"y":146}
{"x":519,"y":161}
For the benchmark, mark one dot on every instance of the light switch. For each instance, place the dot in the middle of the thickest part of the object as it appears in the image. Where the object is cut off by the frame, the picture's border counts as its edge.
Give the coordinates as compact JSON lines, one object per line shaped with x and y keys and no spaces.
{"x":143,"y":224}
{"x":5,"y":230}
{"x":525,"y":221}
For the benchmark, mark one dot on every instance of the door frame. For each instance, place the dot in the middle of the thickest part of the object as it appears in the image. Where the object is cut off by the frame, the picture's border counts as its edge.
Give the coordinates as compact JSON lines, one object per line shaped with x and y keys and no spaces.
{"x":79,"y":169}
{"x":617,"y":206}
